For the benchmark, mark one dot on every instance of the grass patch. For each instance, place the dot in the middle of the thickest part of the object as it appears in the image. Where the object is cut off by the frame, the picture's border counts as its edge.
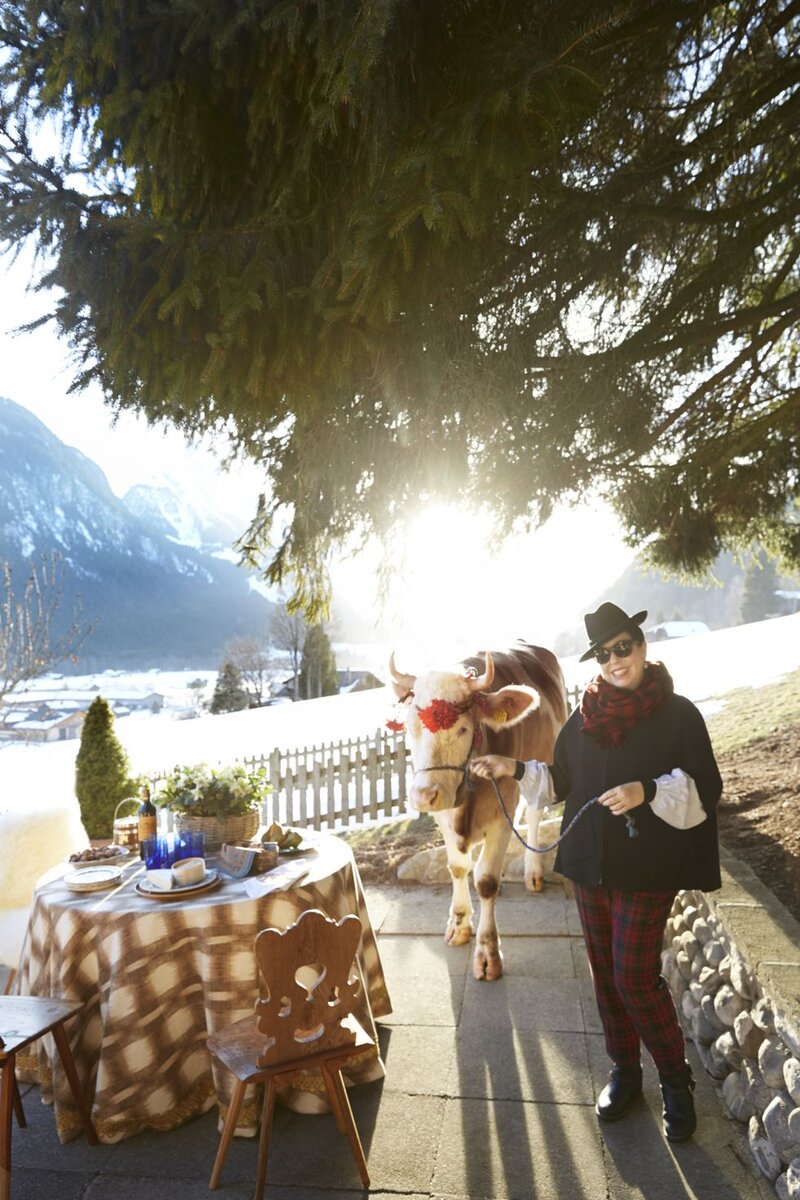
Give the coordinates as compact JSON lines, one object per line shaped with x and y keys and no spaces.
{"x":372,"y":836}
{"x":750,"y":714}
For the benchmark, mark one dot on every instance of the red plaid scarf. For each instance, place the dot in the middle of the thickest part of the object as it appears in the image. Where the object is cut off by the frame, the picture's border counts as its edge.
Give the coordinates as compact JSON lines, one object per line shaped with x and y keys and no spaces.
{"x":609,"y":713}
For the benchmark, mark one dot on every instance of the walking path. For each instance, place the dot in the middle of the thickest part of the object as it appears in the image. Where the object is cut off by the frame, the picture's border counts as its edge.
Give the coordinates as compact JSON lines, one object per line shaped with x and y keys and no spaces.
{"x":489,"y":1093}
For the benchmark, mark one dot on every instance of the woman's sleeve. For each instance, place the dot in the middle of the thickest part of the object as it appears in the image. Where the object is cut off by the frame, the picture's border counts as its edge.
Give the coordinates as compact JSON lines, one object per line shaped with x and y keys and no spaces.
{"x":699,"y":762}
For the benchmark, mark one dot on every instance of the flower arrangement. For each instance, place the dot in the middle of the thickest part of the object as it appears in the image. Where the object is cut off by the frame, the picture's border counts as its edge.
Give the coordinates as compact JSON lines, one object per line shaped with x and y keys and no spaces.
{"x":203,"y":791}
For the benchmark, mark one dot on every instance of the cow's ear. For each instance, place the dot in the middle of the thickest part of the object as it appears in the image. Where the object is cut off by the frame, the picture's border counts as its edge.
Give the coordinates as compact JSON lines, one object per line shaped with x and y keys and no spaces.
{"x":508,"y":706}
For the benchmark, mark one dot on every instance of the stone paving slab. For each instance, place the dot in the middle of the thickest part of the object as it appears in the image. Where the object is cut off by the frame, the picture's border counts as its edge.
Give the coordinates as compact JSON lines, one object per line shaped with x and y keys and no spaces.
{"x":539,"y":957}
{"x":546,"y":1066}
{"x":519,"y":1151}
{"x":524,"y":1003}
{"x":420,"y":1059}
{"x":423,"y":955}
{"x":426,"y":1000}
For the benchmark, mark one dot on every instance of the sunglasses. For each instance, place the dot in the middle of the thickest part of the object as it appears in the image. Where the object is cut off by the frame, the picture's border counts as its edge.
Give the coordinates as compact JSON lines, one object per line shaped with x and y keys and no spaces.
{"x":621,"y":649}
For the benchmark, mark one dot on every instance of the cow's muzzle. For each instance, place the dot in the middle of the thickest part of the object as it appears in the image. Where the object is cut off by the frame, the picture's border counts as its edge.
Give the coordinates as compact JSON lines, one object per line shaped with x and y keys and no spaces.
{"x":433,"y":797}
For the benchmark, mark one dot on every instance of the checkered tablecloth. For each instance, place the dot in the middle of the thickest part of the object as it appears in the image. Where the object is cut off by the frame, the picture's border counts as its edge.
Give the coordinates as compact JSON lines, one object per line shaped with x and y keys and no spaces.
{"x":158,"y":976}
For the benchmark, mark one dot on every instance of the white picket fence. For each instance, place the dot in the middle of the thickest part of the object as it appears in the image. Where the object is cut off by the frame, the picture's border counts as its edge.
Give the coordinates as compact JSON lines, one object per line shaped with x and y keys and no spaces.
{"x":337,"y":784}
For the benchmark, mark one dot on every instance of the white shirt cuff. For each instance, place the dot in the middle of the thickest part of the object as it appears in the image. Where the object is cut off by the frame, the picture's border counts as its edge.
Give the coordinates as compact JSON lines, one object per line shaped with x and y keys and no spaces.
{"x":536,"y":785}
{"x":677,"y":802}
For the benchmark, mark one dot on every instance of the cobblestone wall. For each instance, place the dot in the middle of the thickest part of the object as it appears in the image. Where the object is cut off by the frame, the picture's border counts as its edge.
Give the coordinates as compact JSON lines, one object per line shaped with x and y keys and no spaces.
{"x":732,"y":959}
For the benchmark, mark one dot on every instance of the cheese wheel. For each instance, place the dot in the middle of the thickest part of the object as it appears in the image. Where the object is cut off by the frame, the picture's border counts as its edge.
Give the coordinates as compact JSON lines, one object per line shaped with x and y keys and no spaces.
{"x":189,"y":870}
{"x":160,"y":877}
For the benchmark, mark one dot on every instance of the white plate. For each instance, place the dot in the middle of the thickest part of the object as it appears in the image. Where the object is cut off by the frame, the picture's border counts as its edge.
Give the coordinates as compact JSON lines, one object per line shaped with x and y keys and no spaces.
{"x":145,"y":888}
{"x":122,"y":856}
{"x":92,"y":879}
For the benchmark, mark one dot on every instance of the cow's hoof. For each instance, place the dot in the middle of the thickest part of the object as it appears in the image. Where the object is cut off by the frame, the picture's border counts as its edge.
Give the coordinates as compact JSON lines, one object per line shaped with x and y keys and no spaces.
{"x":487,"y":965}
{"x":535,"y":884}
{"x":458,"y":935}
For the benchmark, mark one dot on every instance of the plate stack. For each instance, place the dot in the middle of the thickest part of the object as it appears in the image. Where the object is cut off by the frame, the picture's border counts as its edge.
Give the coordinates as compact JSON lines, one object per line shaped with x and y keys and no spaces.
{"x":92,"y":879}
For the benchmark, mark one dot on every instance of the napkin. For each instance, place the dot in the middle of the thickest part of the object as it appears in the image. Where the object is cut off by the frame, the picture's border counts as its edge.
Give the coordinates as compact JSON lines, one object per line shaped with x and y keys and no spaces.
{"x":279,"y":879}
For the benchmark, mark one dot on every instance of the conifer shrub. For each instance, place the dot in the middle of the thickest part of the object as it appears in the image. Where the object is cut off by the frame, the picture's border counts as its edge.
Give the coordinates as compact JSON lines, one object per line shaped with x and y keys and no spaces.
{"x":102,"y":771}
{"x":229,"y":693}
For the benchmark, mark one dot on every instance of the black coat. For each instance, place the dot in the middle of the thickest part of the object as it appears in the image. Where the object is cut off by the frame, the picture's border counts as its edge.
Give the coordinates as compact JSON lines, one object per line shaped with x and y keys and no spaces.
{"x":598,"y":850}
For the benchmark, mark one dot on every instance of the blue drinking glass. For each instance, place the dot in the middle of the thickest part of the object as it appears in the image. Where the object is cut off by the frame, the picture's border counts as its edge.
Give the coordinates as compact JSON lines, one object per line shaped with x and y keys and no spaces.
{"x":190,"y":845}
{"x":152,"y":857}
{"x":197,"y":844}
{"x":168,"y":849}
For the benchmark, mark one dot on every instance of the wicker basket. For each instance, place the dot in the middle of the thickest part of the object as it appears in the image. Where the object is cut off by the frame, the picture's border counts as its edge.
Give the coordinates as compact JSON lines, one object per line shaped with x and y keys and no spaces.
{"x":236,"y":829}
{"x":125,"y":830}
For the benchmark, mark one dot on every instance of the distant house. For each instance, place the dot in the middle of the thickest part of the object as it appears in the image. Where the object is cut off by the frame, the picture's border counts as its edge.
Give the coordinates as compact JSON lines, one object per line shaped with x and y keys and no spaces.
{"x":42,"y":724}
{"x":348,"y":681}
{"x":357,"y":681}
{"x":675,"y":629}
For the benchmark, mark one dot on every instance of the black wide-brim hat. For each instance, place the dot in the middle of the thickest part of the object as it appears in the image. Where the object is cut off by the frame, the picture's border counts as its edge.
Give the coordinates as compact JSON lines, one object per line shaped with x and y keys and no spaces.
{"x":609,"y":620}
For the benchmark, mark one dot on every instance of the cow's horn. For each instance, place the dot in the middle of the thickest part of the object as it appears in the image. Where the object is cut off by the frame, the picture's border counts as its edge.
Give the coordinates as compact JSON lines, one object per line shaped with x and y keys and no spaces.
{"x":483,"y":682}
{"x":406,"y":682}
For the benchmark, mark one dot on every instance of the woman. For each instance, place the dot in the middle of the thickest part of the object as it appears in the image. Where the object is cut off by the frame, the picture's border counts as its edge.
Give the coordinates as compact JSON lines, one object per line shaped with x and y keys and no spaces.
{"x":643,"y":755}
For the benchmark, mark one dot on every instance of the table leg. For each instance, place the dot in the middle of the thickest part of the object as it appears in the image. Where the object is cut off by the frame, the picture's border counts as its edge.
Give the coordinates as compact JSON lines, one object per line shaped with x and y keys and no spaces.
{"x":18,"y":1109}
{"x":7,"y":1085}
{"x":70,"y":1070}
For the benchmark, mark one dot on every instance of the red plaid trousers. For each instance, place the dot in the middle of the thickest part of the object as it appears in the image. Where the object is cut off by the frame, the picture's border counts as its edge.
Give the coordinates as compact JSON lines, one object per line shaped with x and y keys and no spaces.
{"x":624,"y":933}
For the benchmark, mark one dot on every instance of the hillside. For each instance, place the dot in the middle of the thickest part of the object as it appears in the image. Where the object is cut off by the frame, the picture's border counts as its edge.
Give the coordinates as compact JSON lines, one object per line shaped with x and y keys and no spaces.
{"x":157,"y":601}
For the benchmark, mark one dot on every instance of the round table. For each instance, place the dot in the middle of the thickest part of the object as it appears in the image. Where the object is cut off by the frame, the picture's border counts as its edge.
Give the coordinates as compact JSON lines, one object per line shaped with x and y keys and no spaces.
{"x":158,"y":976}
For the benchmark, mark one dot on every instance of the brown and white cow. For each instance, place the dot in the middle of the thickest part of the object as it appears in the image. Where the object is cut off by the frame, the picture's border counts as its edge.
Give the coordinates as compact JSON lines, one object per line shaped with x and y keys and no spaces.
{"x":515,"y":707}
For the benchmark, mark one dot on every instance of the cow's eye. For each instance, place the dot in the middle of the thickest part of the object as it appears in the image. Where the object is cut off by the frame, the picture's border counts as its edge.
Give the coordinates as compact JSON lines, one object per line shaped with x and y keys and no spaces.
{"x":463,"y":729}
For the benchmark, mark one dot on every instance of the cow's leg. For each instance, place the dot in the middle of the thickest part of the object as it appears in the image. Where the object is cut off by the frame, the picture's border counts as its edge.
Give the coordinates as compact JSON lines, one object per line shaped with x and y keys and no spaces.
{"x":459,"y":921}
{"x":534,"y":871}
{"x":487,"y":961}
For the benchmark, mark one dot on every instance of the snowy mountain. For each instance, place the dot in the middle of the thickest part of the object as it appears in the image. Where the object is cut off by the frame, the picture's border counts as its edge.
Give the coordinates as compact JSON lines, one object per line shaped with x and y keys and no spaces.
{"x":188,"y":520}
{"x":157,"y":600}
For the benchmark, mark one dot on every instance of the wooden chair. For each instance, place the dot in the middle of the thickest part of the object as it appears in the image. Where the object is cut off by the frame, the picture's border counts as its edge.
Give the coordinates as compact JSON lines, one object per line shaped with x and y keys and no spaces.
{"x":23,"y":1019}
{"x":305,"y":1020}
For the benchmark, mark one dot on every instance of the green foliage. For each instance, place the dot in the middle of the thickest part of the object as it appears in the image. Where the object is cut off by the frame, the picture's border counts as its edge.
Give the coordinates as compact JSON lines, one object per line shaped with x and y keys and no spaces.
{"x":229,"y":693}
{"x":102,"y":771}
{"x":202,"y":791}
{"x":318,"y":667}
{"x":506,"y":252}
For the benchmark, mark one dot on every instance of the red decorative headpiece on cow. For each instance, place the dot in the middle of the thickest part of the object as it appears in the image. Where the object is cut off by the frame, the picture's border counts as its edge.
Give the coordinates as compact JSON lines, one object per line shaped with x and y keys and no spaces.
{"x":440,"y":714}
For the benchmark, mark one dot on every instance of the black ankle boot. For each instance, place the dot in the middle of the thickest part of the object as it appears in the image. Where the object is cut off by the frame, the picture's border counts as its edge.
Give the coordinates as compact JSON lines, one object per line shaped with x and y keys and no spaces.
{"x":680,"y":1120}
{"x":624,"y":1085}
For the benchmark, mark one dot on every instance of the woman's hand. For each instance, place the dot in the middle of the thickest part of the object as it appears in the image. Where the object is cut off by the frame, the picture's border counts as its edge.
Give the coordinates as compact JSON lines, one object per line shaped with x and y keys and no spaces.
{"x":623,"y":798}
{"x":493,"y":766}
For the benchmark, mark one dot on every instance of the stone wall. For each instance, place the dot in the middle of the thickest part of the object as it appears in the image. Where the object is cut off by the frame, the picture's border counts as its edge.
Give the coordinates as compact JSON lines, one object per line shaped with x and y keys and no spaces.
{"x":732,"y":958}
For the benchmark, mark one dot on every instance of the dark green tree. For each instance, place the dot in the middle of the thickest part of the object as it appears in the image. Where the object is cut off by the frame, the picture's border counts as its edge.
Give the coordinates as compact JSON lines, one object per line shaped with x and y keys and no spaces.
{"x":508,"y":252}
{"x":758,"y":591}
{"x":318,"y":668}
{"x":102,"y":771}
{"x":229,"y":692}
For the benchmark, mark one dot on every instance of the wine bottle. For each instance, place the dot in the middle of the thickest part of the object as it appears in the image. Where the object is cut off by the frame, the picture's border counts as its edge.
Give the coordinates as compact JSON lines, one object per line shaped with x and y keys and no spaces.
{"x":148,"y":818}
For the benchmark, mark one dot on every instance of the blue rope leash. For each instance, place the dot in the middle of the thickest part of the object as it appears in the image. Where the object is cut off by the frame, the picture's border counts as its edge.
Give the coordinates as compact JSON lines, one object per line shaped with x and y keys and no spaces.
{"x":629,"y":821}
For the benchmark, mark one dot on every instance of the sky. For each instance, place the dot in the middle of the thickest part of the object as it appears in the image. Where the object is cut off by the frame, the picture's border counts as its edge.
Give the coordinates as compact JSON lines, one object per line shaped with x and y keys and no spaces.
{"x":453,"y":594}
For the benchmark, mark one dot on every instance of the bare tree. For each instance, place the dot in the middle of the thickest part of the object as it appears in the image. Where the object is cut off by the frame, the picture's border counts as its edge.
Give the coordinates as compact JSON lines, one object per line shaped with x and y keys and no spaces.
{"x":287,"y":631}
{"x":32,"y":640}
{"x":252,"y":659}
